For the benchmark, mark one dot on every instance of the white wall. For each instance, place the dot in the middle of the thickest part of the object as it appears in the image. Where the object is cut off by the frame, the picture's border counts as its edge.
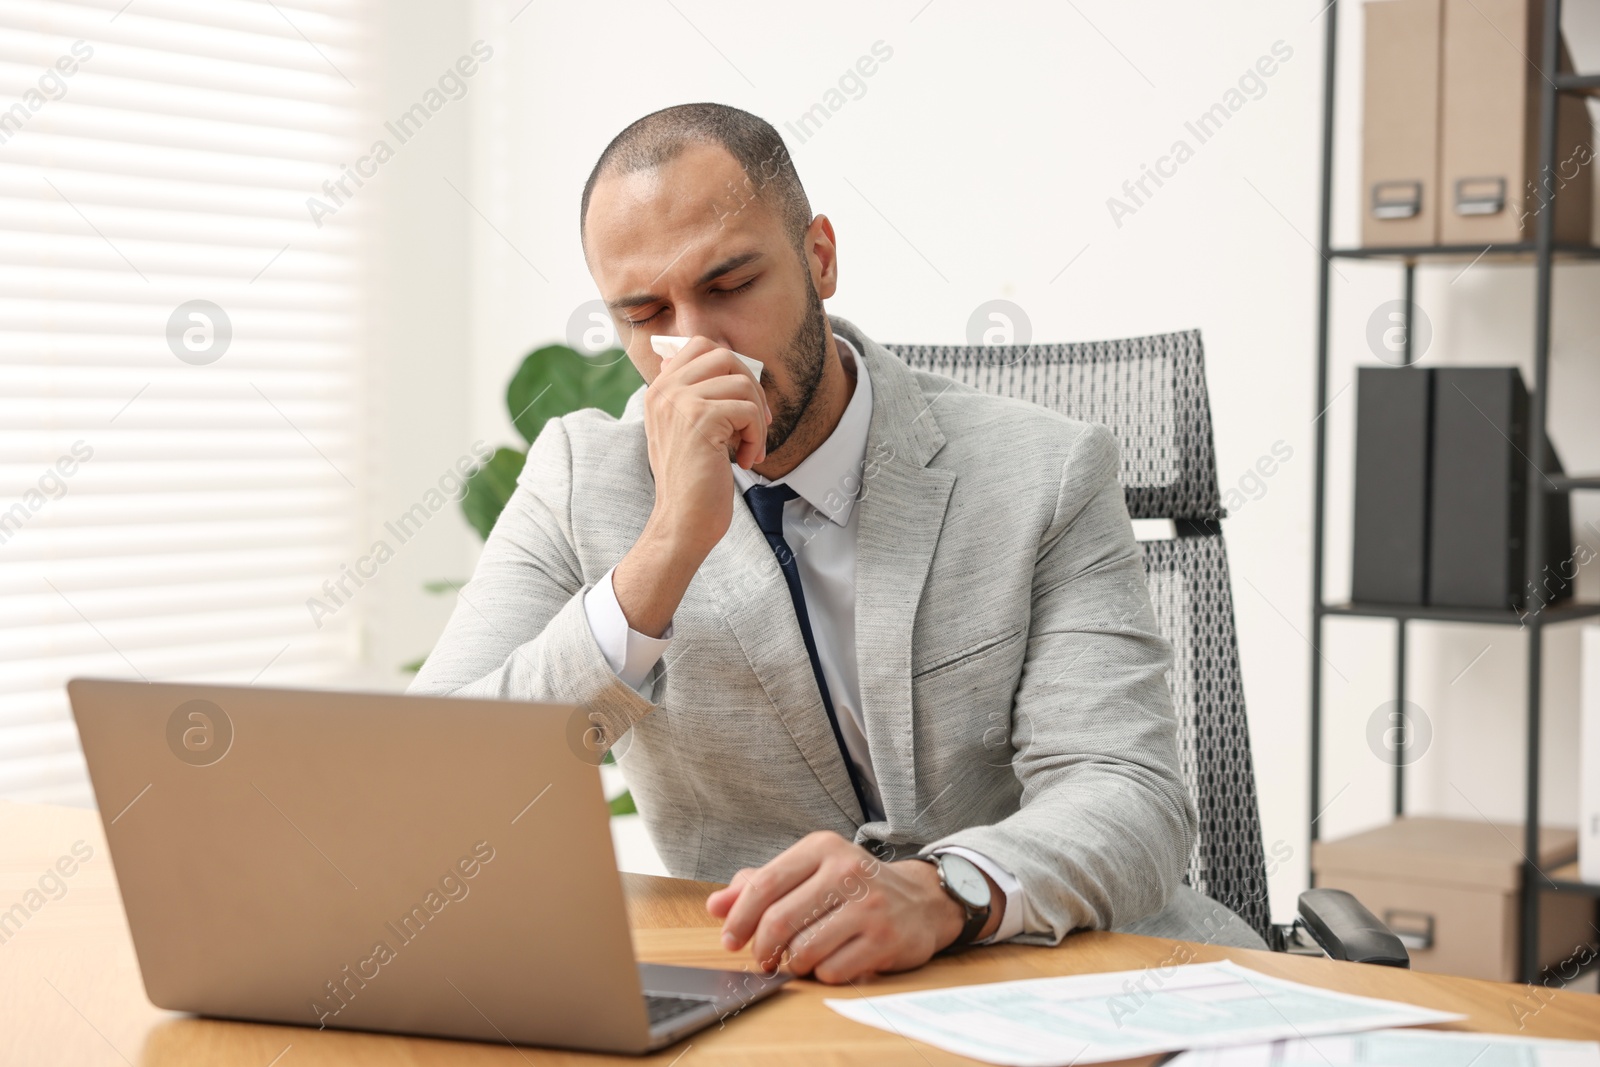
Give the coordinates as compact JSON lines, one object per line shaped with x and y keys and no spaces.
{"x":977,"y":164}
{"x":420,"y":347}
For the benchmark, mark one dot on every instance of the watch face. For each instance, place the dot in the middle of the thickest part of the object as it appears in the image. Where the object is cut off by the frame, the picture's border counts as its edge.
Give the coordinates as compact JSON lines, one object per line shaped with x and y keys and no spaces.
{"x":965,"y":879}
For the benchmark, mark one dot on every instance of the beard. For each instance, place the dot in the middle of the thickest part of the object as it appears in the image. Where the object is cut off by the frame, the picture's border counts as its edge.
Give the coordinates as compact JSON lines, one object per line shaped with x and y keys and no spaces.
{"x":804,"y":358}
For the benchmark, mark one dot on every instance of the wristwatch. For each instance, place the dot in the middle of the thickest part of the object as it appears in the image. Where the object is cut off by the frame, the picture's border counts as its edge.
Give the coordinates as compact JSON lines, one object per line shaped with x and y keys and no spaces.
{"x":967,"y":886}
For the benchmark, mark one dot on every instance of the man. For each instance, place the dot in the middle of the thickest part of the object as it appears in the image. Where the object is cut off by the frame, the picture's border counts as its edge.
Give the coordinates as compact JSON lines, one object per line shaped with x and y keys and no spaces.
{"x":872,"y":647}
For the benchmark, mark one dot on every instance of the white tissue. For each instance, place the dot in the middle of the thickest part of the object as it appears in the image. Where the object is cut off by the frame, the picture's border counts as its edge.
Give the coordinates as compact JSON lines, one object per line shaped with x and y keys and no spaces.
{"x":667,"y":347}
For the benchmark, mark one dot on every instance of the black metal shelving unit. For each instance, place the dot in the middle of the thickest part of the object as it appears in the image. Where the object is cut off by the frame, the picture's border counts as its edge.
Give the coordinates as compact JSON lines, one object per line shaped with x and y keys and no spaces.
{"x":1543,"y":253}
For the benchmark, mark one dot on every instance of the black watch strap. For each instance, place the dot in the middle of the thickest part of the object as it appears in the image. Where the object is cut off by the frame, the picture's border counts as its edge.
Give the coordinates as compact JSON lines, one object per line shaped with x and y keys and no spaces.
{"x":976,"y":917}
{"x":969,"y":933}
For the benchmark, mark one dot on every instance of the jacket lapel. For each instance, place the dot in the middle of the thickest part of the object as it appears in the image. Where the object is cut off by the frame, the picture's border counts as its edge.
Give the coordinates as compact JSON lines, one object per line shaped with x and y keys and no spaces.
{"x":902,"y":504}
{"x":743,"y":576}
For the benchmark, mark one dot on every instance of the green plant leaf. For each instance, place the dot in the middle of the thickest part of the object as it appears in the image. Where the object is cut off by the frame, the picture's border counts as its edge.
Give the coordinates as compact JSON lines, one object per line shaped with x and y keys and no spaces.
{"x":489,"y":487}
{"x":414,"y":666}
{"x":443,"y":586}
{"x":623,"y":804}
{"x":555,"y":380}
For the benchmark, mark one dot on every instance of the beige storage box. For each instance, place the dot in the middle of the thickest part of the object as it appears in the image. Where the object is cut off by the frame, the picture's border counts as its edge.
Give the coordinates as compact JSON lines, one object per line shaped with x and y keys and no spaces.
{"x":1489,"y":130}
{"x":1400,"y":124}
{"x":1451,"y":885}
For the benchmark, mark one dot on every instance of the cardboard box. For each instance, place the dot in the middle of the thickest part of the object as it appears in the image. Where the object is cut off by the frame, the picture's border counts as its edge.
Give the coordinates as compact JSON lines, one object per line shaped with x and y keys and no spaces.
{"x":1489,"y":130}
{"x":1453,"y":883}
{"x":1400,"y":123}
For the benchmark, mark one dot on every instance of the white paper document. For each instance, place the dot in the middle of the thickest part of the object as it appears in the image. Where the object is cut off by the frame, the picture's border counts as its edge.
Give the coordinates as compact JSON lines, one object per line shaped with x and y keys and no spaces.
{"x":1401,"y":1048}
{"x":1092,"y":1018}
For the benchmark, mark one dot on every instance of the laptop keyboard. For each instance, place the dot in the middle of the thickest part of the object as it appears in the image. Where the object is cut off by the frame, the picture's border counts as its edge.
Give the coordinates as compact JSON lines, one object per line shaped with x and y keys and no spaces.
{"x":664,"y":1006}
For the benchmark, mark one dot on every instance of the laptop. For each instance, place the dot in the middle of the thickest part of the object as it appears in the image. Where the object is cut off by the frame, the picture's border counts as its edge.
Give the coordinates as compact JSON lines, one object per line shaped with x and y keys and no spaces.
{"x":406,"y":864}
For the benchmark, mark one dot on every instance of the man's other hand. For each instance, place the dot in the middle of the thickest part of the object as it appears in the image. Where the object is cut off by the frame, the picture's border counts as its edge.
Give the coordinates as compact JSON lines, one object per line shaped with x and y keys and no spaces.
{"x":833,"y":910}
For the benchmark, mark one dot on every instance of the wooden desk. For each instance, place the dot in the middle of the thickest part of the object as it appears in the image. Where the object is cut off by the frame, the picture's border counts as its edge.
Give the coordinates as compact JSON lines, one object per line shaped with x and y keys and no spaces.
{"x":72,"y":995}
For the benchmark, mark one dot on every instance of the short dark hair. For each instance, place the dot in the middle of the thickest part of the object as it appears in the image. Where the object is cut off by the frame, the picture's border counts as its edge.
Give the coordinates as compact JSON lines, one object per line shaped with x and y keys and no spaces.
{"x":661,"y":136}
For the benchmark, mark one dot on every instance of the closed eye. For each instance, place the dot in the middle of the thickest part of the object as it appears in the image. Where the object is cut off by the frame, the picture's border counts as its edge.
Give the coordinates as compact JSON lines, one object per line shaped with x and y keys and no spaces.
{"x":719,"y":292}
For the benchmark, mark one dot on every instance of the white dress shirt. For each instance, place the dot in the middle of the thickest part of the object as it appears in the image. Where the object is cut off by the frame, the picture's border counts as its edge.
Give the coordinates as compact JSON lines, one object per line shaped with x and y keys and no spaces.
{"x":820,"y":528}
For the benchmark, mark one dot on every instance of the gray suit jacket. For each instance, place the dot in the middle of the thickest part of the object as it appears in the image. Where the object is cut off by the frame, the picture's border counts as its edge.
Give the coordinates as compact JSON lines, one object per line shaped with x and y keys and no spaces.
{"x":1012,"y":676}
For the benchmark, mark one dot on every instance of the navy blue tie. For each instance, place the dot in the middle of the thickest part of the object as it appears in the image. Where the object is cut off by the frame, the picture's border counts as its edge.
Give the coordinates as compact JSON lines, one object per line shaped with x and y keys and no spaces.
{"x":766,"y":504}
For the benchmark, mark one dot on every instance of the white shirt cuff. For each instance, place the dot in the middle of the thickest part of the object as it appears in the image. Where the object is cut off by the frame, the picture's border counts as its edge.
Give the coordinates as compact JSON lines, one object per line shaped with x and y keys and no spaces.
{"x":1011,"y":922}
{"x":629,"y":653}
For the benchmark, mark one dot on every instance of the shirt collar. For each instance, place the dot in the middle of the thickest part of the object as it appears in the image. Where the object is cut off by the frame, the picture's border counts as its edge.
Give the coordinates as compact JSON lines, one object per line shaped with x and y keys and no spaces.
{"x":830,"y":477}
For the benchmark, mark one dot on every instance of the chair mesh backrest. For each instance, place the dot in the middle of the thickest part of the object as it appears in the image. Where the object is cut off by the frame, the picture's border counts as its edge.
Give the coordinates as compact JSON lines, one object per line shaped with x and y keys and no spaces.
{"x":1151,"y":393}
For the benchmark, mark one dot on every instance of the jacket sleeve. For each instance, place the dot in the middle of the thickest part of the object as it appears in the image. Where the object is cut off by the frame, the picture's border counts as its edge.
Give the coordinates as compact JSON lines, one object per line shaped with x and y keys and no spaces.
{"x":1106,"y":824}
{"x":519,"y":630}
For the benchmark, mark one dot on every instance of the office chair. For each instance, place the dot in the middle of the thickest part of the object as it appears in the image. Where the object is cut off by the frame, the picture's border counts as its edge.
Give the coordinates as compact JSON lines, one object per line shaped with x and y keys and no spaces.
{"x":1151,"y":393}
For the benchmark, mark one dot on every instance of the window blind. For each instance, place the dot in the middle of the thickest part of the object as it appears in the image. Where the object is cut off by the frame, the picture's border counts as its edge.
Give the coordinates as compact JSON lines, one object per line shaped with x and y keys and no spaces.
{"x":181,"y":379}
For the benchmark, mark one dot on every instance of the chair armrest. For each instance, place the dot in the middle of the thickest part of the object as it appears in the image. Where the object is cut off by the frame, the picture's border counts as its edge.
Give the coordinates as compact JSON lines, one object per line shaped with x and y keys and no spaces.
{"x":1348,"y":931}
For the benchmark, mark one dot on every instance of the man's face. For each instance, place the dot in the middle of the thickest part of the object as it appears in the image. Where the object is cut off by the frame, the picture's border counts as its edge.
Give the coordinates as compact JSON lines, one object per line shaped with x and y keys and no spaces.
{"x":688,"y":249}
